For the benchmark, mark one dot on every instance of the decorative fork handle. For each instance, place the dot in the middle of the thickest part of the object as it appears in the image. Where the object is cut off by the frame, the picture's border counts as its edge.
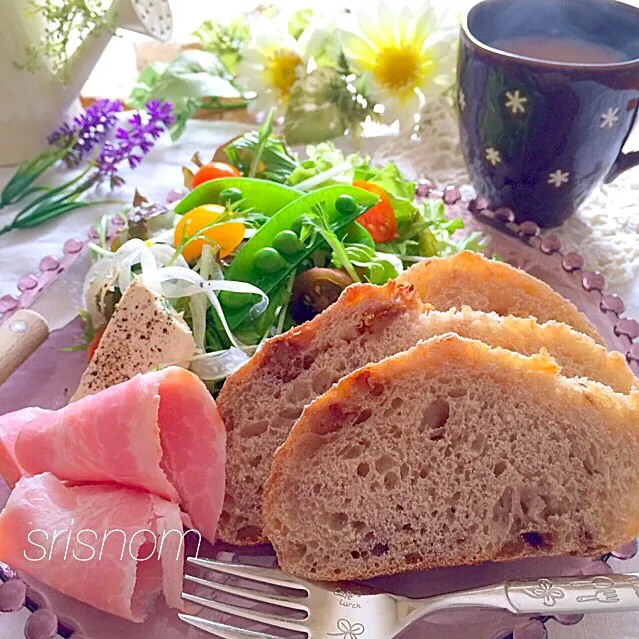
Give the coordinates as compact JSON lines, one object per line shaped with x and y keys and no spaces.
{"x":575,"y":595}
{"x":565,"y":595}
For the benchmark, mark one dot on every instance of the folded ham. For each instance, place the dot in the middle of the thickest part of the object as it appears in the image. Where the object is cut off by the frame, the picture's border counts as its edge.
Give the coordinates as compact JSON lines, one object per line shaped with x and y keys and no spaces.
{"x":114,"y":548}
{"x":10,"y":426}
{"x":160,"y":432}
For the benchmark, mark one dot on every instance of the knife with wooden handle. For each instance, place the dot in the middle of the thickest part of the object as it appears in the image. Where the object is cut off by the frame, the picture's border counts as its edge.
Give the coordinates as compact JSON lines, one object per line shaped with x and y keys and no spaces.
{"x":57,"y":305}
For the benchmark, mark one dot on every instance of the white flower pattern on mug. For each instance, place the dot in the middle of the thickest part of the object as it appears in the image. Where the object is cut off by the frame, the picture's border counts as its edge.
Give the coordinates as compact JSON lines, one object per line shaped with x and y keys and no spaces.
{"x":609,"y":118}
{"x":558,"y":177}
{"x":516,"y":102}
{"x":493,"y":156}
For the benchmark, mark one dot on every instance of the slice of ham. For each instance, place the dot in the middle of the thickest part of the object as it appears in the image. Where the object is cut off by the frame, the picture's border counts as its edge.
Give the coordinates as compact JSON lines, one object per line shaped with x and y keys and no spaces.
{"x":160,"y":432}
{"x":10,"y":427}
{"x":105,"y":533}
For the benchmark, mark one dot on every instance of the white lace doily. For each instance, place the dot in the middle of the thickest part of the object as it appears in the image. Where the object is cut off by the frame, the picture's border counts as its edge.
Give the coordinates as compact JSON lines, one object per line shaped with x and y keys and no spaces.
{"x":605,"y":230}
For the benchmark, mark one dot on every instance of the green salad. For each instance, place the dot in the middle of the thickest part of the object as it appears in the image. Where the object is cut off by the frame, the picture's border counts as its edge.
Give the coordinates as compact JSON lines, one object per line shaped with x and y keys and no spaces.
{"x":265,"y":241}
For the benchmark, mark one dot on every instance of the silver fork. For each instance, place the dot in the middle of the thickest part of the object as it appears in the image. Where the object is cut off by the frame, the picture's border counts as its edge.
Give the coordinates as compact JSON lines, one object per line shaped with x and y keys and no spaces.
{"x":332,"y":611}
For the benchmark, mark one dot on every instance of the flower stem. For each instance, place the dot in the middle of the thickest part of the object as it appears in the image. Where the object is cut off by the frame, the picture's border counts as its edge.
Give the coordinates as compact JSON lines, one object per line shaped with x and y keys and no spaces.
{"x":211,"y":106}
{"x":6,"y":228}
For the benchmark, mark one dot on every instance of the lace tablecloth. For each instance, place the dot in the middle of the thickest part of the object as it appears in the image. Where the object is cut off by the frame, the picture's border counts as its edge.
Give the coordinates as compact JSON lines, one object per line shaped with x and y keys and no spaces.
{"x":606,"y":233}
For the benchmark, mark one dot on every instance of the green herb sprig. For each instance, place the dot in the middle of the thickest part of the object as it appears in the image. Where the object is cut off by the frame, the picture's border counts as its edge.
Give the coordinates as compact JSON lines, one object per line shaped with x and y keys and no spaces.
{"x":67,"y":23}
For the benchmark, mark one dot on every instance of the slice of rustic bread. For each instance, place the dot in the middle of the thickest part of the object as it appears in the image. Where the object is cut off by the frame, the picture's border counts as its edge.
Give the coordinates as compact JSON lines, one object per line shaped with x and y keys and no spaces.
{"x":260,"y":403}
{"x":453,"y":453}
{"x":576,"y":353}
{"x":469,"y":279}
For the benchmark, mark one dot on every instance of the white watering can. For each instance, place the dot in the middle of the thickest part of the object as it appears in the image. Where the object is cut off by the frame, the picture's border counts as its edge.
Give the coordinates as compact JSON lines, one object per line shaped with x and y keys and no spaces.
{"x":33,"y":104}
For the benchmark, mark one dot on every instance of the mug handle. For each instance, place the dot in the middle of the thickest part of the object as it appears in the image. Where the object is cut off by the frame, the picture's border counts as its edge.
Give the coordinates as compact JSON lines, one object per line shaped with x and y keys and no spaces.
{"x":624,"y":162}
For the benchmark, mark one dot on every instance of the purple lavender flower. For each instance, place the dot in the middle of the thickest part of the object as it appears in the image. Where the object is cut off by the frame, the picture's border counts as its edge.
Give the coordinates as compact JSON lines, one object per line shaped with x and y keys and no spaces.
{"x":87,"y":131}
{"x":131,"y":144}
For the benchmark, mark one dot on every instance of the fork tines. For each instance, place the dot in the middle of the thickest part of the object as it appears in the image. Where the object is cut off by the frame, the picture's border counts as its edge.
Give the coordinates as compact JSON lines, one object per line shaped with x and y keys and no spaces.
{"x":265,"y":576}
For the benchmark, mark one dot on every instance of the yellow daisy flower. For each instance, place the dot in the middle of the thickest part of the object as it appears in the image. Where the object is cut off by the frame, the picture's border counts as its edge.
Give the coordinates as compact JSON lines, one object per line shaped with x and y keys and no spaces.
{"x":406,"y":55}
{"x":272,"y":63}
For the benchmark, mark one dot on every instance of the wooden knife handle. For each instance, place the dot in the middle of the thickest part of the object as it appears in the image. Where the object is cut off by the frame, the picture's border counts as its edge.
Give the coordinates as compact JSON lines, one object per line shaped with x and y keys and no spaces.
{"x":20,"y":336}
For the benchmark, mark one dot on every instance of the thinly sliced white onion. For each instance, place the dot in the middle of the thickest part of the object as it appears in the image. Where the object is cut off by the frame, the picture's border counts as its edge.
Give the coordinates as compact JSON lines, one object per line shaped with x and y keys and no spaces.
{"x":199,"y":303}
{"x":136,"y":251}
{"x":100,"y":277}
{"x":116,"y":269}
{"x":213,"y":367}
{"x":163,"y":254}
{"x":176,"y":281}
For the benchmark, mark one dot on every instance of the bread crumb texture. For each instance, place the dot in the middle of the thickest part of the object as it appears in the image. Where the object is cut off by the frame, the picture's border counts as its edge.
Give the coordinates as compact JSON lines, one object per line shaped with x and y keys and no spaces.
{"x":260,"y":403}
{"x":453,"y":453}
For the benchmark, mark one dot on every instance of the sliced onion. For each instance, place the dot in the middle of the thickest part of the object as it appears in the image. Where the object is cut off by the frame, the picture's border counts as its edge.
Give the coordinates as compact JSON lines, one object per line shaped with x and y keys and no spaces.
{"x":100,"y":277}
{"x":133,"y":252}
{"x":163,"y":254}
{"x":213,"y":367}
{"x":177,"y":281}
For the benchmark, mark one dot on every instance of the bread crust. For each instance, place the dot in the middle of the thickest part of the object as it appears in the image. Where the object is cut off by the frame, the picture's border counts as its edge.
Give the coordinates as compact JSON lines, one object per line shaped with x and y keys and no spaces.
{"x":470,"y":279}
{"x":330,"y":419}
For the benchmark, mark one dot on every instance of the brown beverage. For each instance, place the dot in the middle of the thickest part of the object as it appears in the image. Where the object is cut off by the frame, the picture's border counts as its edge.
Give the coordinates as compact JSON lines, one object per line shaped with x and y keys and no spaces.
{"x":555,"y":49}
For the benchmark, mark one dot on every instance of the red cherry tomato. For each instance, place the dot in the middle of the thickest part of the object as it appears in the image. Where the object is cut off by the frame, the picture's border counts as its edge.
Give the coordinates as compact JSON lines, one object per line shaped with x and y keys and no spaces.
{"x":214,"y":170}
{"x":379,"y":221}
{"x":95,"y":342}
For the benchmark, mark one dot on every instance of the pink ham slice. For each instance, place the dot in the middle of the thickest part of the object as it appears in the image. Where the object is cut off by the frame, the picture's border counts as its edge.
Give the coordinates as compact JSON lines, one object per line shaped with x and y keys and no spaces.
{"x":10,"y":427}
{"x":105,"y":533}
{"x":160,"y":432}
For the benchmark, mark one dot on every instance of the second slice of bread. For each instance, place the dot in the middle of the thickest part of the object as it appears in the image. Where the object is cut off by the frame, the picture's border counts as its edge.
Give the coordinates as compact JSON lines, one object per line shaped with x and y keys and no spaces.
{"x":469,"y":279}
{"x":453,"y":453}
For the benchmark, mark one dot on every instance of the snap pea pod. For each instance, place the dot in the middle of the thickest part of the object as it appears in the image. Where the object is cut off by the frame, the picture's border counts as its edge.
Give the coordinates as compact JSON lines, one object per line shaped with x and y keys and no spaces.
{"x":264,"y":266}
{"x":265,"y":197}
{"x":357,"y":234}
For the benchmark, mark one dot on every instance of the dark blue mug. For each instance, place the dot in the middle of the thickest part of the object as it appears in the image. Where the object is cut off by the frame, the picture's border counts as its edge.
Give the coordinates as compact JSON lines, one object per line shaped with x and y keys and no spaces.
{"x":547,"y":95}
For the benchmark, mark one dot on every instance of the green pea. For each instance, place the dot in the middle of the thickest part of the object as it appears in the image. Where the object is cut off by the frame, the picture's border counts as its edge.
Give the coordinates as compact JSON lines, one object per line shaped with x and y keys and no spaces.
{"x":296,"y":225}
{"x":268,"y":260}
{"x":308,"y":164}
{"x":234,"y":300}
{"x":230,"y":196}
{"x":346,"y":204}
{"x":288,"y":243}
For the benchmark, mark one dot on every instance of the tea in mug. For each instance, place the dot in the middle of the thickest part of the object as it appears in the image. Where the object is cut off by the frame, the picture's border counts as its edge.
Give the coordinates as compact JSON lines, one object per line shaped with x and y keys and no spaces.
{"x":556,"y":49}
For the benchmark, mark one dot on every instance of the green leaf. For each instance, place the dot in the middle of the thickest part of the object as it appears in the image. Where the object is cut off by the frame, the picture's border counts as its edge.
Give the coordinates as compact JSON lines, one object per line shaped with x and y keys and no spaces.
{"x":276,"y":165}
{"x":377,"y":268}
{"x":193,"y":74}
{"x":322,"y":158}
{"x":225,"y":40}
{"x":299,"y":21}
{"x":142,"y":92}
{"x":176,"y":86}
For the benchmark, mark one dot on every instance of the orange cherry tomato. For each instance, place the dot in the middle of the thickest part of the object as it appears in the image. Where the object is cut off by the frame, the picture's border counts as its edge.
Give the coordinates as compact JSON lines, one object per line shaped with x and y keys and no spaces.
{"x":213,"y":171}
{"x":95,"y":342}
{"x":226,"y":235}
{"x":379,"y":221}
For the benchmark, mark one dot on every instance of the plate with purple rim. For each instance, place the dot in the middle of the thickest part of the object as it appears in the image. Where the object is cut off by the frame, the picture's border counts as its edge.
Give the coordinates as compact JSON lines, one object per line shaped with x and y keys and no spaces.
{"x":53,"y":374}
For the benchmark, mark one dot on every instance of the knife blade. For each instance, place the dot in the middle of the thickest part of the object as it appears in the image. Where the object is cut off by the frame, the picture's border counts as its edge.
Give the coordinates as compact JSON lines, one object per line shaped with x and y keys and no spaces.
{"x":56,"y":305}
